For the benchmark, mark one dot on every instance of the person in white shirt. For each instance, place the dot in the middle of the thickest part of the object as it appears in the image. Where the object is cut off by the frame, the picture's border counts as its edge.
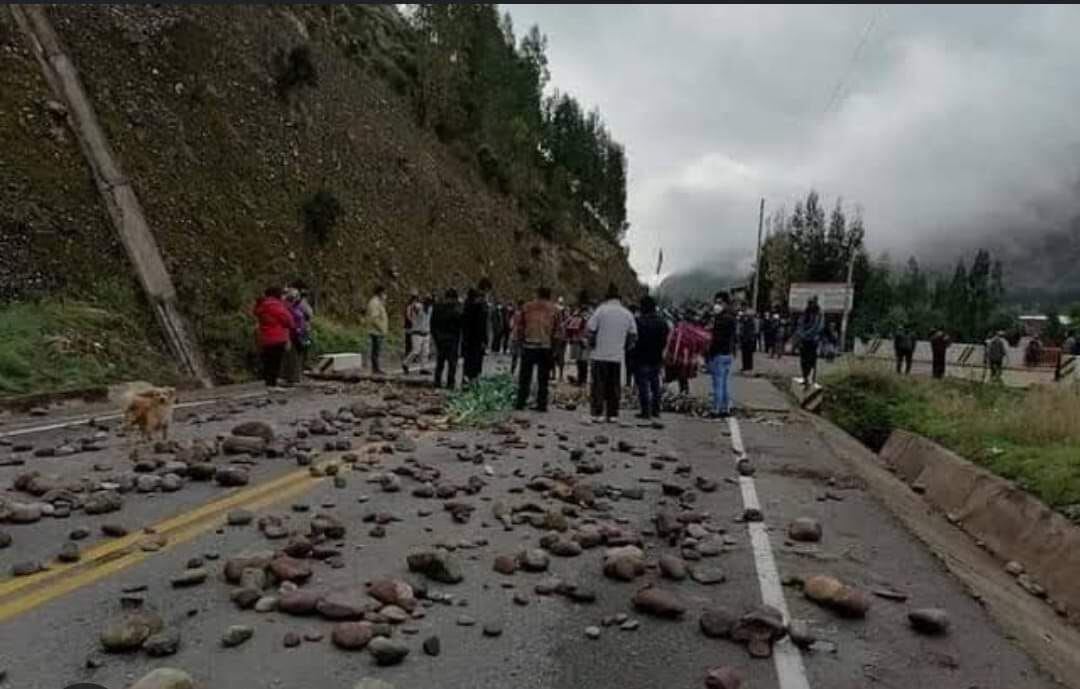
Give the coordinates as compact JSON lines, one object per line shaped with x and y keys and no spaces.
{"x":612,"y":330}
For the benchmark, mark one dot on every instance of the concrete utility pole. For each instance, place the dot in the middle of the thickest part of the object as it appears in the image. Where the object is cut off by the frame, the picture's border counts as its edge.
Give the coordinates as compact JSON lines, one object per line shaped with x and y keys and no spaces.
{"x":757,"y":264}
{"x":115,"y":188}
{"x":851,"y":297}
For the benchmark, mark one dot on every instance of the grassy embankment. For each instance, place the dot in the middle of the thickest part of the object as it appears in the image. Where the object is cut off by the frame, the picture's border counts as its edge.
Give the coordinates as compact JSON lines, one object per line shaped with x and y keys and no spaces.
{"x":1029,"y":436}
{"x":107,"y":337}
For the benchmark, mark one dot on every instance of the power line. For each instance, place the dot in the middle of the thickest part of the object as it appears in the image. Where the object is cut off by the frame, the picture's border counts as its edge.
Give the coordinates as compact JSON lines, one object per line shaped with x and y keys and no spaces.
{"x":838,"y":91}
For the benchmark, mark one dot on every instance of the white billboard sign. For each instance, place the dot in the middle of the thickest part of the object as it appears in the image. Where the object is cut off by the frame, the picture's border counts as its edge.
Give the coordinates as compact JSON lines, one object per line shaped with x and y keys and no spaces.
{"x":832,"y":297}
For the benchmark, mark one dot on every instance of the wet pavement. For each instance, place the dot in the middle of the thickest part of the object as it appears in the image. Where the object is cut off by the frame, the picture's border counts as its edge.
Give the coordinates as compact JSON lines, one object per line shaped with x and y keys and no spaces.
{"x":543,"y":642}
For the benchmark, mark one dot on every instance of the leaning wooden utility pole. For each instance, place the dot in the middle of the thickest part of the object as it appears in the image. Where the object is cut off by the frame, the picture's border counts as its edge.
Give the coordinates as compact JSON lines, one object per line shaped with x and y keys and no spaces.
{"x":757,"y":264}
{"x":115,"y":188}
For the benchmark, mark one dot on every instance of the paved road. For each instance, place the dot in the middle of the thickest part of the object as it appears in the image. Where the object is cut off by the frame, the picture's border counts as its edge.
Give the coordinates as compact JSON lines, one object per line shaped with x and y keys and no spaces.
{"x":543,"y":644}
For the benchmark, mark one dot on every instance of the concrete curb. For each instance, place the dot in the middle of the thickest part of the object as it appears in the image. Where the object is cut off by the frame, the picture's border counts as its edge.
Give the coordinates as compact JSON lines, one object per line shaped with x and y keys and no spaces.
{"x":1013,"y":524}
{"x":1029,"y":622}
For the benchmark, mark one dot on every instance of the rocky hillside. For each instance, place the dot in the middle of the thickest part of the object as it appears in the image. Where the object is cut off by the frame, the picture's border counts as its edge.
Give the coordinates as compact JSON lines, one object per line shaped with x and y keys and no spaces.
{"x":265,"y":142}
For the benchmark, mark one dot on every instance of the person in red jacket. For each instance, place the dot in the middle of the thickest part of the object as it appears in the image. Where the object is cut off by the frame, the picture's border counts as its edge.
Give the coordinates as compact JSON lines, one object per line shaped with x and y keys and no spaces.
{"x":275,"y":324}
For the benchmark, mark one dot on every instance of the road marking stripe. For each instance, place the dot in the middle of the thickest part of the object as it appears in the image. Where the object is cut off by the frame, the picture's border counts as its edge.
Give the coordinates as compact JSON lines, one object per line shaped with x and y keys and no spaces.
{"x":790,"y":670}
{"x":82,"y":421}
{"x":111,"y":557}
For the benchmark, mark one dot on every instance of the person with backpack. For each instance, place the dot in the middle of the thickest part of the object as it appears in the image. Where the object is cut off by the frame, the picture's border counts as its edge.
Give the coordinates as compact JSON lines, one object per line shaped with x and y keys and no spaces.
{"x":300,"y":335}
{"x":904,"y":348}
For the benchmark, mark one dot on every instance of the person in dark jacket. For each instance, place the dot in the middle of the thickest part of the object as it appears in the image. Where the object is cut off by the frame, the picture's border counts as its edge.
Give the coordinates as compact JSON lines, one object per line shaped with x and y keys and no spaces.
{"x":747,"y":339}
{"x":808,"y":331}
{"x":904,"y":348}
{"x":474,"y":332}
{"x":939,"y":345}
{"x":721,"y":351}
{"x":446,"y":333}
{"x":649,"y":357}
{"x":275,"y":326}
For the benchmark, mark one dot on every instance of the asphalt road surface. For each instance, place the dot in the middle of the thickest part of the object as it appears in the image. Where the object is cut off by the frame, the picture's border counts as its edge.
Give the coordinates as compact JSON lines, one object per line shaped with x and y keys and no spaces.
{"x":50,"y":622}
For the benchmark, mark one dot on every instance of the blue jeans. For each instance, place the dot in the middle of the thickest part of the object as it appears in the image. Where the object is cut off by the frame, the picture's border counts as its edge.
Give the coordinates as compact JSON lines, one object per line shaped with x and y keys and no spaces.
{"x":648,"y":387}
{"x":720,"y":367}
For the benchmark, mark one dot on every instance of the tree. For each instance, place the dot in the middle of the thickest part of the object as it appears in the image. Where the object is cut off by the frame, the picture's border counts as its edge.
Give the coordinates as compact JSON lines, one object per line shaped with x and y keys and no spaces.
{"x":481,"y":91}
{"x":1054,"y":332}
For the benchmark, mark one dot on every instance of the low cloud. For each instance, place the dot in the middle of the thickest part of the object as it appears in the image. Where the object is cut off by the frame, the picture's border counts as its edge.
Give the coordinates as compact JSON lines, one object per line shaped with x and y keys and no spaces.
{"x":952,"y":125}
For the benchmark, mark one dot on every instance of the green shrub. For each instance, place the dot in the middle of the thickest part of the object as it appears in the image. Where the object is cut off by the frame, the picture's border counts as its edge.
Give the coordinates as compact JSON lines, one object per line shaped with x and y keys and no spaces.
{"x":293,"y":70}
{"x":321,"y":213}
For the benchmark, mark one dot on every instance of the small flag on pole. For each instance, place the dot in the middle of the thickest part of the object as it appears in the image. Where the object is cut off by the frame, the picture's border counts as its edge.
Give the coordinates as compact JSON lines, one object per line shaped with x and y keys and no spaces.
{"x":659,"y":261}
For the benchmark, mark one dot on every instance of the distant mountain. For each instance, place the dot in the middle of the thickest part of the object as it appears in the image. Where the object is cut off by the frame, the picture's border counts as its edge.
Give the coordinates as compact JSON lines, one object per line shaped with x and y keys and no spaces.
{"x":696,"y":285}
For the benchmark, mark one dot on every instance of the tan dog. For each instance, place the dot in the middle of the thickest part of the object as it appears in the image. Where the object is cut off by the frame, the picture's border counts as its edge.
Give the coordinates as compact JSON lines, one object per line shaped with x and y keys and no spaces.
{"x":150,"y":410}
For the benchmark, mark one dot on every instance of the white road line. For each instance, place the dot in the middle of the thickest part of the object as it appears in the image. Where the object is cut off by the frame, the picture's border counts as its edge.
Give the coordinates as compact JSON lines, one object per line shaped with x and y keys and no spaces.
{"x":82,"y":421}
{"x":789,"y":664}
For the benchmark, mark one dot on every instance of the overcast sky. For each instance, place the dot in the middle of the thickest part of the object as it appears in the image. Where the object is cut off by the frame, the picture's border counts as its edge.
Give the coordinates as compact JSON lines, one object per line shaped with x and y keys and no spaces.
{"x":948,"y":122}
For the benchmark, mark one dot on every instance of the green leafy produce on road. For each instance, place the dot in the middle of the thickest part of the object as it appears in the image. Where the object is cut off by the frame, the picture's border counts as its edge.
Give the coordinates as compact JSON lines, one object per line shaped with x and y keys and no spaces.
{"x":485,"y":401}
{"x":1028,"y":436}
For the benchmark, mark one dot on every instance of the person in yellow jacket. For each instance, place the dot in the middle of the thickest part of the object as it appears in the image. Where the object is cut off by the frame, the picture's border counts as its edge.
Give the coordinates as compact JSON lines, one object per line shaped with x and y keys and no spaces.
{"x":379,"y":324}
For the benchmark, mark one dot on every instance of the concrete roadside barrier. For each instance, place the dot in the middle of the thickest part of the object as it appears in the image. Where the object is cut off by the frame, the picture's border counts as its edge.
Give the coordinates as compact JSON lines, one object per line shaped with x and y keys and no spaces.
{"x":1014,"y":525}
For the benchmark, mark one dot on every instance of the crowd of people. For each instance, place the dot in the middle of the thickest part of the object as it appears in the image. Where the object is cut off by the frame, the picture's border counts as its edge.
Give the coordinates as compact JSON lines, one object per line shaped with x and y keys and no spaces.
{"x":283,"y":317}
{"x":610,"y":344}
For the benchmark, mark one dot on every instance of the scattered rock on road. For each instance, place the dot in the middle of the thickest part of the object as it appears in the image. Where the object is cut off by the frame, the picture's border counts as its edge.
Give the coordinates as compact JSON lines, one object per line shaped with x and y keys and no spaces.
{"x":717,"y":623}
{"x":255,"y":429}
{"x":673,"y":567}
{"x":239,"y":518}
{"x":352,"y":636}
{"x":127,"y":633}
{"x":722,"y":677}
{"x":805,"y":530}
{"x":833,"y":593}
{"x":758,"y":629}
{"x":801,"y":634}
{"x":929,"y":620}
{"x":432,"y":646}
{"x":435,"y":565}
{"x":26,"y":568}
{"x":659,"y":602}
{"x":625,"y":563}
{"x":165,"y":678}
{"x":236,"y":635}
{"x":103,"y":502}
{"x":190,"y":577}
{"x":231,"y":476}
{"x":534,"y":560}
{"x":69,"y":552}
{"x":164,"y":643}
{"x":387,"y":651}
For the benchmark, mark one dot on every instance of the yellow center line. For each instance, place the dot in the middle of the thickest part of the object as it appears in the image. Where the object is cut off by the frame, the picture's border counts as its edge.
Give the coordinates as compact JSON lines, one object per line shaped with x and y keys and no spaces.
{"x":114,"y":556}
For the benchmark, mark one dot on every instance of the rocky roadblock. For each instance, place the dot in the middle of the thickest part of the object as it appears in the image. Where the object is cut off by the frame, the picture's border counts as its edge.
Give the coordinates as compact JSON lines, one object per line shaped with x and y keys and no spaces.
{"x":543,"y":552}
